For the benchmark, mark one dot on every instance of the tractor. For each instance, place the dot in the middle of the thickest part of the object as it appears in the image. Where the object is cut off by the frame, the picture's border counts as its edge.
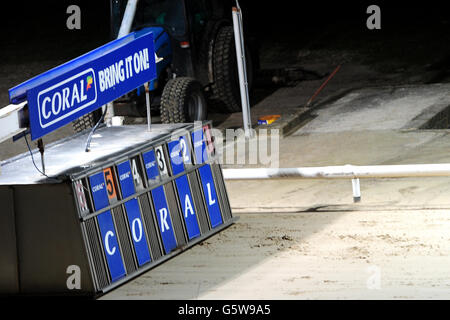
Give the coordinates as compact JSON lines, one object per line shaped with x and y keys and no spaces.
{"x":194,"y":41}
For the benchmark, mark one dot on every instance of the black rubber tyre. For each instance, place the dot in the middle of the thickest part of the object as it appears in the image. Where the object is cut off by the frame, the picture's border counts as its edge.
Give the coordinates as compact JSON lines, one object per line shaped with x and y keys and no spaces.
{"x":87,"y":121}
{"x":226,"y":92}
{"x":183,"y":101}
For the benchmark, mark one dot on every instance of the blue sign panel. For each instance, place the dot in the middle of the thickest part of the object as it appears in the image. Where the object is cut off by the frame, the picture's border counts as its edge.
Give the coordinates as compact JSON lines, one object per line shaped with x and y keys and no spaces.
{"x":199,"y":147}
{"x":88,"y":86}
{"x":126,"y":179}
{"x":179,"y":154}
{"x":164,"y":221}
{"x":150,"y":165}
{"x":137,"y":232}
{"x":98,"y":190}
{"x":209,"y":190}
{"x":111,"y":246}
{"x":187,"y":204}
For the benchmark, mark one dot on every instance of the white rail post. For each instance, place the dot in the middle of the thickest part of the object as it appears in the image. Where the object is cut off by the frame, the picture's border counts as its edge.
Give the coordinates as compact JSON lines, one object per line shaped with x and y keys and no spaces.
{"x":356,"y":190}
{"x":242,"y":69}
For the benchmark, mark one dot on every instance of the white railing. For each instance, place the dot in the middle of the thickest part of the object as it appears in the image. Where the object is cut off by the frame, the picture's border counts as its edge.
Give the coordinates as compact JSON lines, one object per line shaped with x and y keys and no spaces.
{"x":341,"y":172}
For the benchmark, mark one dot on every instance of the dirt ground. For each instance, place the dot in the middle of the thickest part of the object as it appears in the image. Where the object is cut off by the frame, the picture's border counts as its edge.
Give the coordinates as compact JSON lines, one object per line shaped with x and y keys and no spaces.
{"x":310,"y":255}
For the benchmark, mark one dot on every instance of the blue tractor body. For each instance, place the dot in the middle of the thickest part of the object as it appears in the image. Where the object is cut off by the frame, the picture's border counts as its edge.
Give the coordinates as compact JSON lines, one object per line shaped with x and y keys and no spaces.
{"x":163,"y":49}
{"x":194,"y":44}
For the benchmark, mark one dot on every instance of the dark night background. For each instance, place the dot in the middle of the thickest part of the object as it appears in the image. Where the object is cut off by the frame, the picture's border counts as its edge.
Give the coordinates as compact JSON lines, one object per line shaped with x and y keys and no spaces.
{"x":30,"y":28}
{"x":34,"y":36}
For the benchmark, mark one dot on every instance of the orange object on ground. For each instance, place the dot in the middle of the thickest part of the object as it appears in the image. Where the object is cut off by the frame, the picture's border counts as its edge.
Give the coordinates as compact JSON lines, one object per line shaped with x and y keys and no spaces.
{"x":269,"y":119}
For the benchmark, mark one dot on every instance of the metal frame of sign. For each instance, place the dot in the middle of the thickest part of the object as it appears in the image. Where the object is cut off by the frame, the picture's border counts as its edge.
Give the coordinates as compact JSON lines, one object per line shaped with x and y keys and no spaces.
{"x":148,"y":214}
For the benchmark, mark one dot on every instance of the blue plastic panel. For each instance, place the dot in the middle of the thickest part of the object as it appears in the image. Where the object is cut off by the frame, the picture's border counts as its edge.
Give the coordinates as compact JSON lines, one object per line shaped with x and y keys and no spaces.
{"x":188,"y":208}
{"x":98,"y":190}
{"x":111,"y":246}
{"x":137,"y":232}
{"x":150,"y":166}
{"x":199,"y":146}
{"x":209,"y":191}
{"x":180,"y":154}
{"x":164,"y":220}
{"x":126,"y":179}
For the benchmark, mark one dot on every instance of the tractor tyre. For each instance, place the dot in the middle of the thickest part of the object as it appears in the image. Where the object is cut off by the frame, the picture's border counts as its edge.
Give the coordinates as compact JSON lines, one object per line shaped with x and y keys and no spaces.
{"x":226,"y":91}
{"x":87,"y":121}
{"x":183,"y":101}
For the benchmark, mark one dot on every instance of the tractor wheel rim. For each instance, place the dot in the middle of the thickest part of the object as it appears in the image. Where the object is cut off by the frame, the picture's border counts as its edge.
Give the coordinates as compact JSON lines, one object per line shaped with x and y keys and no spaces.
{"x":195,"y":107}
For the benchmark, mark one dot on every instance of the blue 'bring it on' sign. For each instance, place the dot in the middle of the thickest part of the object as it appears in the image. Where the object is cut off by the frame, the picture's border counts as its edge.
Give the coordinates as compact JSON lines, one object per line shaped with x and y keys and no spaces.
{"x":87,"y":83}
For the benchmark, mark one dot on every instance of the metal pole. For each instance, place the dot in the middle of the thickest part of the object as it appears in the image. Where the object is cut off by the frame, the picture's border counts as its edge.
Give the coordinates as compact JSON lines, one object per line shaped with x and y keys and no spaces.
{"x":128,"y":18}
{"x":243,"y":83}
{"x":40,"y":144}
{"x":147,"y":100}
{"x":125,"y":28}
{"x":340,"y":172}
{"x":244,"y":61}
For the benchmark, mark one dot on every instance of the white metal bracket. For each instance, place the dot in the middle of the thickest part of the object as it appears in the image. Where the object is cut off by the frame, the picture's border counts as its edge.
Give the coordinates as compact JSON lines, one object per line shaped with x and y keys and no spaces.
{"x":11,"y":121}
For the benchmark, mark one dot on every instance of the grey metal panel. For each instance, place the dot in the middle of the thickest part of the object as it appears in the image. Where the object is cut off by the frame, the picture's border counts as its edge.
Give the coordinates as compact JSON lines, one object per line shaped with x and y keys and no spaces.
{"x":222,"y":191}
{"x":175,"y":214}
{"x":196,"y":191}
{"x":150,"y":222}
{"x":97,"y":259}
{"x":49,"y":239}
{"x":9,"y":277}
{"x":124,"y":239}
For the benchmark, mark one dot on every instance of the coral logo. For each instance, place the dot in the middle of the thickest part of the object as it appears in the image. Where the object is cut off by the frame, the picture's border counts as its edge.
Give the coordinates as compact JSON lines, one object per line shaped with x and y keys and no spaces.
{"x":66,"y":98}
{"x":88,"y":82}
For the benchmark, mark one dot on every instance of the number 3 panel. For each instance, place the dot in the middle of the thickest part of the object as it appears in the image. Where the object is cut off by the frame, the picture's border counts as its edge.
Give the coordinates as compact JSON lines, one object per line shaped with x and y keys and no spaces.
{"x":161,"y":161}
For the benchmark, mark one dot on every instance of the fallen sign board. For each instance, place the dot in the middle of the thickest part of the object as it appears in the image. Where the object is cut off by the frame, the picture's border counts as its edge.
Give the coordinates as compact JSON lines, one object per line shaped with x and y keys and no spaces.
{"x":136,"y":200}
{"x":65,"y":93}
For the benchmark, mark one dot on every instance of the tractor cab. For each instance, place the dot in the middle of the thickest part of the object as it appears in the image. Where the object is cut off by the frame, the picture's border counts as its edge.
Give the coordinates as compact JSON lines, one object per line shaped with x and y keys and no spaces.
{"x":194,"y":41}
{"x":183,"y":31}
{"x":150,"y":13}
